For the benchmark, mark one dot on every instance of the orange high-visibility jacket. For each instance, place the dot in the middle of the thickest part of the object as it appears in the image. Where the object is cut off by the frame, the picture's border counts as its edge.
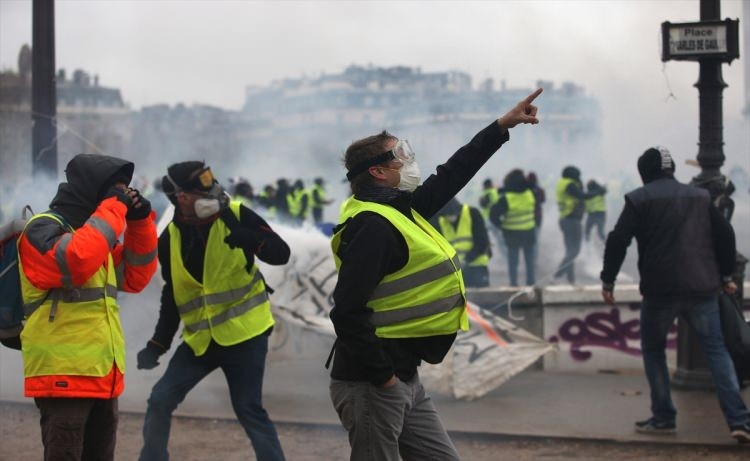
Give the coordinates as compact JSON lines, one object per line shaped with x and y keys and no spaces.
{"x":85,"y":255}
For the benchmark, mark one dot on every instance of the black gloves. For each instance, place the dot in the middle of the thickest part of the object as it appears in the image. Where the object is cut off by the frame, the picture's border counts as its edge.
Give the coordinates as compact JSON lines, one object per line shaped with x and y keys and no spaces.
{"x":120,"y":194}
{"x":142,"y":212}
{"x":148,"y":357}
{"x":241,"y":237}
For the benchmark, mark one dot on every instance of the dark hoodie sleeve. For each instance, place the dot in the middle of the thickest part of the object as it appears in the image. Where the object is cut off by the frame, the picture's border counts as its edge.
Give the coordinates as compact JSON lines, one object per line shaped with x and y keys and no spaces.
{"x":479,"y":234}
{"x":618,"y":241}
{"x":169,"y":318}
{"x":498,"y":210}
{"x":454,"y":174}
{"x":575,"y":191}
{"x":271,"y":249}
{"x":723,"y":241}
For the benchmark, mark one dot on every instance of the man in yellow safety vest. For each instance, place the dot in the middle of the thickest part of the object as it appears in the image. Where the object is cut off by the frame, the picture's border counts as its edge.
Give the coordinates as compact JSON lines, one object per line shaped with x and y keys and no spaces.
{"x":214,"y":288}
{"x":400,"y":297}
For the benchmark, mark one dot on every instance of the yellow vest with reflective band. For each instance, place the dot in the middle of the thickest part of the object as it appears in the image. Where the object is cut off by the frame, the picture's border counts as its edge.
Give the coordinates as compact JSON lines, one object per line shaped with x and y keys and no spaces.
{"x":595,"y":204}
{"x":72,"y":331}
{"x":427,"y":296}
{"x":566,"y":203}
{"x":461,"y":237}
{"x":493,"y":196}
{"x":231,"y":305}
{"x":520,"y":214}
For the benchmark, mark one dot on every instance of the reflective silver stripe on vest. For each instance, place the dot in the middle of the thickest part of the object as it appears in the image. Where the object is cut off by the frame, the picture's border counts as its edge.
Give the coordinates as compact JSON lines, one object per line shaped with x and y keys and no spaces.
{"x":62,"y":261}
{"x":461,"y":239}
{"x":217,"y":298}
{"x":232,"y":312}
{"x":75,"y":295}
{"x":134,"y":259}
{"x":392,"y":317}
{"x":416,"y":279}
{"x":105,"y":229}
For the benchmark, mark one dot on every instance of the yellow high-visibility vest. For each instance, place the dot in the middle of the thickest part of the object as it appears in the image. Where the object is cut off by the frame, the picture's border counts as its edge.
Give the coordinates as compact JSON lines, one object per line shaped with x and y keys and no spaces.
{"x":566,"y":203}
{"x":520,"y":214}
{"x":72,"y":330}
{"x":426,"y":297}
{"x":461,"y":237}
{"x":230,"y":305}
{"x":596,"y":204}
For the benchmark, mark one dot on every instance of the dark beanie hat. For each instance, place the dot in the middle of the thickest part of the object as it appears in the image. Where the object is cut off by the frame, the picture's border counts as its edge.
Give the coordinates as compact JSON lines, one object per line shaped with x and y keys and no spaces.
{"x":181,"y":173}
{"x":654,"y":164}
{"x":571,"y":172}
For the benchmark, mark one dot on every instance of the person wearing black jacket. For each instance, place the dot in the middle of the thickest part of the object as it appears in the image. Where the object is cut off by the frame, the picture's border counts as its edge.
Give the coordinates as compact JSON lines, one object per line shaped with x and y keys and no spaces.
{"x":375,"y":387}
{"x":686,"y":254}
{"x":224,"y":309}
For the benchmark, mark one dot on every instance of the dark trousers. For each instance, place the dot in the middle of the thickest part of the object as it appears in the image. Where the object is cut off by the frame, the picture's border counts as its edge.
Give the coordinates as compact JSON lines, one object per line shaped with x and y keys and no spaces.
{"x":596,"y":219}
{"x":571,"y":230}
{"x":243,"y":365}
{"x":513,"y":259}
{"x":76,"y":429}
{"x":317,"y":215}
{"x":702,"y":315}
{"x":476,"y":276}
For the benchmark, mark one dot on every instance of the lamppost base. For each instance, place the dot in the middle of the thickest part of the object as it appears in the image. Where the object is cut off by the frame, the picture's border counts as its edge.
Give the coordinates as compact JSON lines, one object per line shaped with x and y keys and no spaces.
{"x":692,"y":380}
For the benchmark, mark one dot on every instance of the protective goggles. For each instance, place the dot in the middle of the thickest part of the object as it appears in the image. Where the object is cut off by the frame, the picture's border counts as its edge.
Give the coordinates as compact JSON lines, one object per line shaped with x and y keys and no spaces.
{"x":402,"y":152}
{"x":203,"y":181}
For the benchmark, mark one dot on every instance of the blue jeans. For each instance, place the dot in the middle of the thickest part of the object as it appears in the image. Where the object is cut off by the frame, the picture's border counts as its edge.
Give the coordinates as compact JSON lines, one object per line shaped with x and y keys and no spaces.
{"x":702,"y":315}
{"x":243,"y":365}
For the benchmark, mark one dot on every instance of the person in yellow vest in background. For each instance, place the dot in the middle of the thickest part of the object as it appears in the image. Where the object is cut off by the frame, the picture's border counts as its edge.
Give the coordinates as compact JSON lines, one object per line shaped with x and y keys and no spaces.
{"x":514,"y":215}
{"x":243,"y":192}
{"x":400,"y":297}
{"x":214,"y":288}
{"x":298,"y":200}
{"x":596,"y":210}
{"x":463,"y":227}
{"x":267,"y":202}
{"x":571,"y":205}
{"x":489,"y":197}
{"x":71,"y":268}
{"x":318,"y":200}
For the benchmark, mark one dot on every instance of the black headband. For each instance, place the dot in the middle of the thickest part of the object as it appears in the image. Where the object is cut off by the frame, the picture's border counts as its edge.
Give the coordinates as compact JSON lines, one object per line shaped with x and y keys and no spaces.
{"x":364,"y":165}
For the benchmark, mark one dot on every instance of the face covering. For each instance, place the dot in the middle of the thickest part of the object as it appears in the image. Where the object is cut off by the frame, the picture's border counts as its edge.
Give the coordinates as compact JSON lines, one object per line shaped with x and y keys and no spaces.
{"x":410,"y":176}
{"x":213,"y":203}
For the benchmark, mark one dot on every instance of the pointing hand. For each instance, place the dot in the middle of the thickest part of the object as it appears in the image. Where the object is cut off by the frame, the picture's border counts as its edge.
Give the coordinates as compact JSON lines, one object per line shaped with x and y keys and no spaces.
{"x":523,"y":112}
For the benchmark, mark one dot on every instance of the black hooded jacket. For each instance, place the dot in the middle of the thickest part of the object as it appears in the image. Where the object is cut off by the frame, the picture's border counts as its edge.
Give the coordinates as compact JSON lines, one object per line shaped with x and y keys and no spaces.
{"x":88,"y":177}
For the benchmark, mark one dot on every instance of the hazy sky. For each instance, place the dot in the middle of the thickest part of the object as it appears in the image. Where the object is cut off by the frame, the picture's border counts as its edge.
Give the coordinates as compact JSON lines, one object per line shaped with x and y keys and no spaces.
{"x":209,"y":51}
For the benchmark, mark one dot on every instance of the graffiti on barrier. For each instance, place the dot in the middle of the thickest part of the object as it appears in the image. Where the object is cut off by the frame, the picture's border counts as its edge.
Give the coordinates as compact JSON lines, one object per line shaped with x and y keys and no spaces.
{"x":605,"y":330}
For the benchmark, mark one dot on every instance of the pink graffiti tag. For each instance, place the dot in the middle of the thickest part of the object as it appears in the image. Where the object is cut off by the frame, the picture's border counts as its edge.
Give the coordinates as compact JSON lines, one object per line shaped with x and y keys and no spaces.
{"x":603,"y":329}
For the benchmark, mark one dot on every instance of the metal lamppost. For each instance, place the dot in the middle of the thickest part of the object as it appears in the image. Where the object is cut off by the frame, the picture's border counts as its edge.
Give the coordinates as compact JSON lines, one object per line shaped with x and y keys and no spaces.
{"x":43,"y":91}
{"x":711,"y":42}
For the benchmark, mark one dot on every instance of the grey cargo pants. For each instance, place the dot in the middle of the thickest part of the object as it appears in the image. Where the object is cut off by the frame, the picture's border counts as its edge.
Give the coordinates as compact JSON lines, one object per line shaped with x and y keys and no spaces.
{"x":384,"y":423}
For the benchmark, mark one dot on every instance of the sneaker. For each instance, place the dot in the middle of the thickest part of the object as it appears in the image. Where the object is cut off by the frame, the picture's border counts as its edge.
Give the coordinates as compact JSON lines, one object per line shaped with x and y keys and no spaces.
{"x":655,"y":426}
{"x":741,"y":433}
